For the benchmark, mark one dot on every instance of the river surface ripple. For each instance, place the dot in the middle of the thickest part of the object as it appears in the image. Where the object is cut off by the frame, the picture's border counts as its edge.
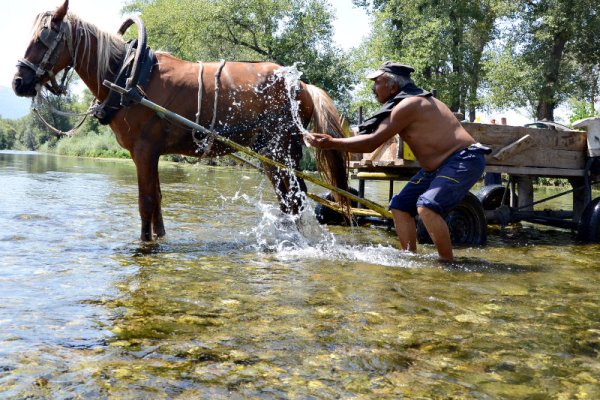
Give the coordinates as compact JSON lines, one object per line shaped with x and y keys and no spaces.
{"x":237,"y":302}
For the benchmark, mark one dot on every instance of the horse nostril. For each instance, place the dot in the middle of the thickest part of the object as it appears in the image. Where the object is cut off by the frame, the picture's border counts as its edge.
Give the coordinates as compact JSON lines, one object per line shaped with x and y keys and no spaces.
{"x":17,"y":82}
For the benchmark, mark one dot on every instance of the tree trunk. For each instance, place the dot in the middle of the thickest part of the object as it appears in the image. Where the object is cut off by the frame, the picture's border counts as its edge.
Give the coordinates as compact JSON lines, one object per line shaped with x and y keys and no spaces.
{"x":547,"y":98}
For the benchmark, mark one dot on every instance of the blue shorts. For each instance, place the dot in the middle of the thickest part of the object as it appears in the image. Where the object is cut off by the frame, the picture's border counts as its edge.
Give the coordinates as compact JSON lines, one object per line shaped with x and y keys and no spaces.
{"x":441,"y":190}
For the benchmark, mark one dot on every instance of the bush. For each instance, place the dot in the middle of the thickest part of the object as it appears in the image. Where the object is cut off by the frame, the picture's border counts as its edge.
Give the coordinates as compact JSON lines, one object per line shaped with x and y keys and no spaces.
{"x":103,"y":144}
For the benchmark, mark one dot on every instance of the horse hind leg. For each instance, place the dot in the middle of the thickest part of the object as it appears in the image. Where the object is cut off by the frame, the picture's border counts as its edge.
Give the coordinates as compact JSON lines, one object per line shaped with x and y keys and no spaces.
{"x":289,"y":190}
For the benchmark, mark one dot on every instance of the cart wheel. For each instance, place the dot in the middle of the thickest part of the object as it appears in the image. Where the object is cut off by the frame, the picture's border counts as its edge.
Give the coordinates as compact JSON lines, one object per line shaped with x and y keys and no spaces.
{"x":491,"y":196}
{"x":326,"y":215}
{"x":466,"y":222}
{"x":589,"y":225}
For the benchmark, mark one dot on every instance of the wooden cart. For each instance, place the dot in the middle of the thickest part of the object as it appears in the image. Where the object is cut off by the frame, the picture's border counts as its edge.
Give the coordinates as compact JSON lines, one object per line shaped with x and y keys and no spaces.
{"x":522,"y":154}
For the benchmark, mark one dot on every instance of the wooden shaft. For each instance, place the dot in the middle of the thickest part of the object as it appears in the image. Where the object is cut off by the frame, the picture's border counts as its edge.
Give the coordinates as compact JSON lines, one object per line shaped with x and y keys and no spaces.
{"x":163,"y":112}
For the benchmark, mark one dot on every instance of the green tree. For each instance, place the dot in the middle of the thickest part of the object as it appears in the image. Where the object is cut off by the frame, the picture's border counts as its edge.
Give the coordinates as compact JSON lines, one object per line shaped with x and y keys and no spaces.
{"x":281,"y":31}
{"x":8,"y":134}
{"x":550,"y":54}
{"x":580,"y":110}
{"x":443,"y":39}
{"x":30,"y":132}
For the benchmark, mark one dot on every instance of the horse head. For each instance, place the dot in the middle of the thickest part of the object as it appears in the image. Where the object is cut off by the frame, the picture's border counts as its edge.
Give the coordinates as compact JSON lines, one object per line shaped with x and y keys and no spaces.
{"x":47,"y":54}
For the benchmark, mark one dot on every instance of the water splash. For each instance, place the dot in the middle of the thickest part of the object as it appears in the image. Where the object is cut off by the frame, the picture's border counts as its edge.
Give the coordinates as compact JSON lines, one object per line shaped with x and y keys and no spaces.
{"x":291,"y":76}
{"x":366,"y":254}
{"x":297,"y":238}
{"x":278,"y":232}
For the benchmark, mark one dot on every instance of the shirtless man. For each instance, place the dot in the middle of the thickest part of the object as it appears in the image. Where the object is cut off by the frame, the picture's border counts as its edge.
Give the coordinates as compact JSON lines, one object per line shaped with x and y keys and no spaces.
{"x":450,"y":159}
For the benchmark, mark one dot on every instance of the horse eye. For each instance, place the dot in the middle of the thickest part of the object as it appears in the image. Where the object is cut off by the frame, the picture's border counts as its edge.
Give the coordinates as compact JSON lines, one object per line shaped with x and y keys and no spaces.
{"x":45,"y":36}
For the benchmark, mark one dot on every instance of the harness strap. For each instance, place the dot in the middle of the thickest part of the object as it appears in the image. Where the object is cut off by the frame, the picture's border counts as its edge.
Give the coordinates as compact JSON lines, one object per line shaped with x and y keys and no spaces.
{"x":210,"y":138}
{"x":57,"y":131}
{"x":200,"y":87}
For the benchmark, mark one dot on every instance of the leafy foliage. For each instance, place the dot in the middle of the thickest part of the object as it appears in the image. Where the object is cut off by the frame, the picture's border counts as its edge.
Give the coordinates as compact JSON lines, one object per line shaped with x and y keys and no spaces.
{"x":443,"y":39}
{"x":492,"y":53}
{"x":281,"y":31}
{"x":8,"y":134}
{"x":551,"y":46}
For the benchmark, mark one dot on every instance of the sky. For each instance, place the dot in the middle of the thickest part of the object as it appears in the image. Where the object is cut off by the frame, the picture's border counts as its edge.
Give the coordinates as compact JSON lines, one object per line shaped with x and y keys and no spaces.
{"x":16,"y":21}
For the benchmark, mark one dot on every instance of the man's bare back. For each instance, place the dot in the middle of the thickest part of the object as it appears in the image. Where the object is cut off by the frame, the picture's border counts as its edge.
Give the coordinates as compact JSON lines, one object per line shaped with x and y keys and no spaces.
{"x":433,"y":133}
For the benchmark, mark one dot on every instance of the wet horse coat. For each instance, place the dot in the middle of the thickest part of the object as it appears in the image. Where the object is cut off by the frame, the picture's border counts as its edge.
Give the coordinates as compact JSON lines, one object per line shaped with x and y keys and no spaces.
{"x":253,"y":108}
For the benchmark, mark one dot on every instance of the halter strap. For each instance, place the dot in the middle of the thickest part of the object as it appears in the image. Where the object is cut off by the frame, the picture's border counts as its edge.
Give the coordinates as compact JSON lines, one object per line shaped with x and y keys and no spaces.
{"x":51,"y":55}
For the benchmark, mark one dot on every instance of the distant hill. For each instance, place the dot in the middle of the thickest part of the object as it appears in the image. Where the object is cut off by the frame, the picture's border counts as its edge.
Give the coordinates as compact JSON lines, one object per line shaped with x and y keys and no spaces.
{"x":11,"y":106}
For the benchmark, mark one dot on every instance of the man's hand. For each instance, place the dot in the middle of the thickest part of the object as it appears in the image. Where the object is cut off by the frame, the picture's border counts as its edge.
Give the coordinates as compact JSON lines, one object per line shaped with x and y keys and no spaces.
{"x":319,"y":140}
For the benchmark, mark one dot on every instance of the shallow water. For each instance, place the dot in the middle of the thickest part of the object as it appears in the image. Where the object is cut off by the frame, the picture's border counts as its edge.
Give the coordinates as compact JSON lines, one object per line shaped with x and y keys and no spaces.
{"x":236,"y":303}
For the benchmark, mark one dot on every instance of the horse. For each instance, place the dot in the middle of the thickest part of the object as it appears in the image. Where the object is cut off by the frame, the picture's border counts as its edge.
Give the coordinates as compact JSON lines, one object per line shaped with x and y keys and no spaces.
{"x":247,"y":102}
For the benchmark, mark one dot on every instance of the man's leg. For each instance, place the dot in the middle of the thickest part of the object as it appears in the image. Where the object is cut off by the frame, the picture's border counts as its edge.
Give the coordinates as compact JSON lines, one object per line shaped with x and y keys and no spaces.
{"x":439,"y":232}
{"x":405,"y":229}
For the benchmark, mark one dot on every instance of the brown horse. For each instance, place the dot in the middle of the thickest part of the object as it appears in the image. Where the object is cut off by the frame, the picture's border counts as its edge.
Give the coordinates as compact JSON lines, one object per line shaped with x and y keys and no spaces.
{"x":253,"y":108}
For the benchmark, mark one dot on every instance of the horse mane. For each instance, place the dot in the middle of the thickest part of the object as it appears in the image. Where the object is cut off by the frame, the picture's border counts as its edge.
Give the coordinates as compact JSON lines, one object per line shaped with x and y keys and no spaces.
{"x":109,"y":46}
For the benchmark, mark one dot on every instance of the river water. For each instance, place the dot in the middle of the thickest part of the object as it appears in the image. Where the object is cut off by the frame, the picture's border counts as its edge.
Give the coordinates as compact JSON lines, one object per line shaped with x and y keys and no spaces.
{"x":236,"y":303}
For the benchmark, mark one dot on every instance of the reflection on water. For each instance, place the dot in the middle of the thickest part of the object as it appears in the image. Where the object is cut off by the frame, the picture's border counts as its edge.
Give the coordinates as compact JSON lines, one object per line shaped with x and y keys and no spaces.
{"x":238,"y":302}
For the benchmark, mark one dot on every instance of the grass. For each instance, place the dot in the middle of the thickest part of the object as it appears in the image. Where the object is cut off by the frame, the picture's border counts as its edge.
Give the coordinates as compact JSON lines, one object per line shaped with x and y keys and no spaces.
{"x":102,"y":145}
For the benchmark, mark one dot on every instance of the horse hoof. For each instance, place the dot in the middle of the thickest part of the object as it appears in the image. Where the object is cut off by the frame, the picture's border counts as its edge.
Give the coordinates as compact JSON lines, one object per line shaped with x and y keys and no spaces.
{"x":146,"y":237}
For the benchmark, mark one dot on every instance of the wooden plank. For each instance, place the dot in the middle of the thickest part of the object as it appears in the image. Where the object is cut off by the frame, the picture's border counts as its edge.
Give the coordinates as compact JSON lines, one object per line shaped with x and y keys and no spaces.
{"x":382,"y":151}
{"x":556,"y":151}
{"x":396,"y":163}
{"x":501,"y":135}
{"x":525,"y":192}
{"x":543,"y":159}
{"x":557,"y":172}
{"x":355,"y":211}
{"x":514,"y":148}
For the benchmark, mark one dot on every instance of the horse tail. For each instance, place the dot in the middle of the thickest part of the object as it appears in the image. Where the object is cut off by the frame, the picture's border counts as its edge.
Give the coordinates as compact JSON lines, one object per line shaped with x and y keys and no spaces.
{"x":332,"y":164}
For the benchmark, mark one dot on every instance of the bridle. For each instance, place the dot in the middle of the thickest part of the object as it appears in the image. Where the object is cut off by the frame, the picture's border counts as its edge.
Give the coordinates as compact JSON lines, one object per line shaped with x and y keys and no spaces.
{"x":52,"y":39}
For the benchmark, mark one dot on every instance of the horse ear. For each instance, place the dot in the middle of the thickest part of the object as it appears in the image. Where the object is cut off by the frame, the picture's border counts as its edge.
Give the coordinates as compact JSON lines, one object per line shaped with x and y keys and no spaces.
{"x":60,"y":12}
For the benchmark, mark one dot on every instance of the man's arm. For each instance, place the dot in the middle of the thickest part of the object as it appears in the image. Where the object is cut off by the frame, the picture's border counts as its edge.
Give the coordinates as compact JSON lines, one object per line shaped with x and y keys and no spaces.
{"x":399,"y":119}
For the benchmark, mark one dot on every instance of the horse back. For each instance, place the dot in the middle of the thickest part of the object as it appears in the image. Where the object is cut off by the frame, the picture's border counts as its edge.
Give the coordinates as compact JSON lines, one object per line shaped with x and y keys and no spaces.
{"x":248,"y":94}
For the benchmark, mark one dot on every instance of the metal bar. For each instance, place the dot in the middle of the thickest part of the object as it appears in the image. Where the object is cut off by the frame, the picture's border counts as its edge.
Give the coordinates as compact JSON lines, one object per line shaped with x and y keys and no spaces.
{"x":178,"y":118}
{"x":557,"y":195}
{"x":555,"y":222}
{"x":378,"y":176}
{"x":361,"y":188}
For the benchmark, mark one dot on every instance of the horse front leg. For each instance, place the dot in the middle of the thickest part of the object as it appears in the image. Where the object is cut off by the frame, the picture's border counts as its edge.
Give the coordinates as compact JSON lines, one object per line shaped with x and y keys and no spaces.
{"x":149,"y":195}
{"x":158,"y":225}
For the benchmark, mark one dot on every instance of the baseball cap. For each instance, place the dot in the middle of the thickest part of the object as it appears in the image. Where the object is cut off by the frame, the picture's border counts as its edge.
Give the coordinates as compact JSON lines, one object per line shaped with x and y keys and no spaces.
{"x":393,"y":68}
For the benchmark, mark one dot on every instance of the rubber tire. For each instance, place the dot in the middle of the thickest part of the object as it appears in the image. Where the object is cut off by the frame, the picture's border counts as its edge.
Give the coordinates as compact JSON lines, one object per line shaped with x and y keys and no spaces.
{"x":589,"y":225}
{"x":491,"y":196}
{"x":327,"y":216}
{"x":466,"y":222}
